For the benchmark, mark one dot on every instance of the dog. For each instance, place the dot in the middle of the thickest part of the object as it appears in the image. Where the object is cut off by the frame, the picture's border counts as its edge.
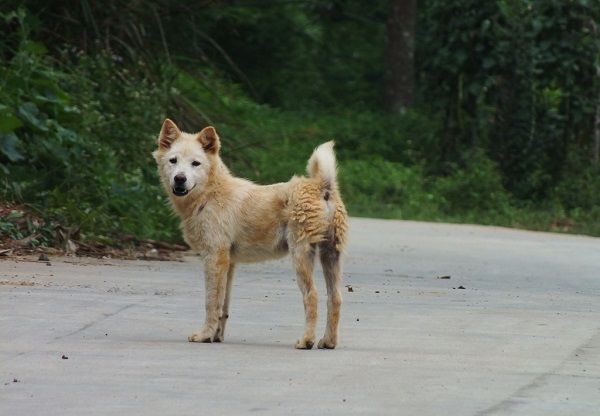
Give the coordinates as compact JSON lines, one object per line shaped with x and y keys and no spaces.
{"x":229,"y":220}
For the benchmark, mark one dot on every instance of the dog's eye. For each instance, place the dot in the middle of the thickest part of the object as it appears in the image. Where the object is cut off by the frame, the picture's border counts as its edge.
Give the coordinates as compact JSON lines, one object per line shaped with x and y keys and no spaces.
{"x":173,"y":160}
{"x":195,"y":163}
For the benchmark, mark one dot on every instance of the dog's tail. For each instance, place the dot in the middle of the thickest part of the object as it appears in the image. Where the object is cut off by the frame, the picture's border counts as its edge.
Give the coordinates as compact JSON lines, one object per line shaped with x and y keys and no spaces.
{"x":322,"y":165}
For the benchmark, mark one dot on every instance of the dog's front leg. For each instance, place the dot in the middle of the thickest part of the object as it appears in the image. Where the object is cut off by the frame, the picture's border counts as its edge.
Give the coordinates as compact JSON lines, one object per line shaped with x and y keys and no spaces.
{"x":220,"y":337}
{"x":215,"y":274}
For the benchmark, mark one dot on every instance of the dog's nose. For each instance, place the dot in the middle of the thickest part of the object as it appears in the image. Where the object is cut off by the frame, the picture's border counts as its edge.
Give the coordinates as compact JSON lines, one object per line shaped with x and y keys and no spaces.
{"x":180,"y":179}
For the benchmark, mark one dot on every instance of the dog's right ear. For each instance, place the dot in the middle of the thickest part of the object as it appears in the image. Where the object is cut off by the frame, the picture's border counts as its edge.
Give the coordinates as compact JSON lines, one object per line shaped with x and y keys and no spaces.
{"x":168,"y":133}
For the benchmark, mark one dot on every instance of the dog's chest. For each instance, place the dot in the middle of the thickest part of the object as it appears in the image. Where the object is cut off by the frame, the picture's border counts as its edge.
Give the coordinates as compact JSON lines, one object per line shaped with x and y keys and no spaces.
{"x":204,"y":235}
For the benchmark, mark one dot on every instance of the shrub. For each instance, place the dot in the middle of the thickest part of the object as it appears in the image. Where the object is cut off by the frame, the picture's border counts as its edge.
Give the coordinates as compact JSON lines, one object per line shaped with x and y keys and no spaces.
{"x":75,"y":142}
{"x":382,"y":188}
{"x":475,"y":188}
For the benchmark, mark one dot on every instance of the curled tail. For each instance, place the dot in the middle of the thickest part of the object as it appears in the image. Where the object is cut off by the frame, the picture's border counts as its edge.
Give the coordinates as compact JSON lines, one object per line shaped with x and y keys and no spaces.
{"x":322,"y":165}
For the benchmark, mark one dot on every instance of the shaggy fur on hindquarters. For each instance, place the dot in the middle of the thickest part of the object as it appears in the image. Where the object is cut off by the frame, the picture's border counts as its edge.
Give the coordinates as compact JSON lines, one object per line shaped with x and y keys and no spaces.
{"x":229,"y":220}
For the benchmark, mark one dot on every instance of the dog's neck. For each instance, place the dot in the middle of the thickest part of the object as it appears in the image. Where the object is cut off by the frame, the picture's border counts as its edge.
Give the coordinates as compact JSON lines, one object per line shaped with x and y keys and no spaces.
{"x":218,"y":175}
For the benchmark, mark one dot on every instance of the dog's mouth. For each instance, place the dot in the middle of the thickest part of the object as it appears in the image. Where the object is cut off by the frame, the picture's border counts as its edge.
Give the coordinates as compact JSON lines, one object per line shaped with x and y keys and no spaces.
{"x":181,"y":191}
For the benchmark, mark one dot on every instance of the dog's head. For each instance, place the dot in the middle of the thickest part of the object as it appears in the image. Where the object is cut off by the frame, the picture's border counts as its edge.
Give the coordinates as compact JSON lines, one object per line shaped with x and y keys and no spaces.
{"x":184,"y":160}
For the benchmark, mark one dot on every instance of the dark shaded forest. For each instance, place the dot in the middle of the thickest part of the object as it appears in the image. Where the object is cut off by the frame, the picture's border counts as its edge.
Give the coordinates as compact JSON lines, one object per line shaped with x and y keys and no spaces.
{"x":463,"y":111}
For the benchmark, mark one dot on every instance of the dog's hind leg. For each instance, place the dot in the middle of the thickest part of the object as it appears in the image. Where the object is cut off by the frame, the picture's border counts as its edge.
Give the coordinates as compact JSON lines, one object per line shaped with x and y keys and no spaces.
{"x":303,"y":255}
{"x":330,"y":260}
{"x":220,"y":337}
{"x":215,"y":274}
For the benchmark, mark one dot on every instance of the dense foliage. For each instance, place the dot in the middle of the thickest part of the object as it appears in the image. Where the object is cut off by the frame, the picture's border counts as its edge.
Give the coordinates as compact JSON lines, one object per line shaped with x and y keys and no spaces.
{"x":502,"y":131}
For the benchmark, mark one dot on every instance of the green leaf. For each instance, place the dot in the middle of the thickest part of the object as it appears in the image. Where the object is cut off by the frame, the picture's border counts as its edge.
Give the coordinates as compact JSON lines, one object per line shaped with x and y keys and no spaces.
{"x":31,"y":114}
{"x":488,"y":62}
{"x":36,"y":48}
{"x":8,"y":121}
{"x":8,"y":146}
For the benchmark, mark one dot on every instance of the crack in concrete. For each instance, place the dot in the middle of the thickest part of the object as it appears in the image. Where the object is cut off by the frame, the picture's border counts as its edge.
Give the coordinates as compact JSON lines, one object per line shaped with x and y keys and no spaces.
{"x":513,"y":400}
{"x":90,"y":324}
{"x":83,"y":328}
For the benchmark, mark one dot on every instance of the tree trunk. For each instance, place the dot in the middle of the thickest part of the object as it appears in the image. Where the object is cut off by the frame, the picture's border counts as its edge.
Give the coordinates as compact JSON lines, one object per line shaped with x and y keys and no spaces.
{"x":596,"y":153}
{"x":596,"y":140}
{"x":399,"y":74}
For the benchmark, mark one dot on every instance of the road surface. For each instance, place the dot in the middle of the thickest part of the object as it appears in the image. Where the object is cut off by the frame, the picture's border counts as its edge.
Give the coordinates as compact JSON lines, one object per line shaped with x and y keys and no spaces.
{"x":514,"y":330}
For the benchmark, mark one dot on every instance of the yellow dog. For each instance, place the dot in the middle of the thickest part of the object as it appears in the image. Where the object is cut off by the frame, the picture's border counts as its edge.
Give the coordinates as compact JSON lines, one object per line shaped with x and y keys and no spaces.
{"x":230,"y":220}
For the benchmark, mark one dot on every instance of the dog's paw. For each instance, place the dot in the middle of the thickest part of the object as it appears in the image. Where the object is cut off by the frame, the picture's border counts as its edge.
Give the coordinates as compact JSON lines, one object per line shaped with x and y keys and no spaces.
{"x":305,"y":344}
{"x":202,"y":336}
{"x":326,"y":343}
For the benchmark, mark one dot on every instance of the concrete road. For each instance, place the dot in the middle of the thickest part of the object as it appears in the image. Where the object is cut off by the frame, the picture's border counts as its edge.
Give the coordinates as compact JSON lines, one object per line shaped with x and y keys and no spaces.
{"x":107,"y":337}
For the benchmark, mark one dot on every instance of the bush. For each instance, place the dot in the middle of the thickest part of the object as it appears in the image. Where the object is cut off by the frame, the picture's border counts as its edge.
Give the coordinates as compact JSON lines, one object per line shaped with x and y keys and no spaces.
{"x":474,"y":188}
{"x":75,"y":142}
{"x":579,"y":188}
{"x":381,"y":188}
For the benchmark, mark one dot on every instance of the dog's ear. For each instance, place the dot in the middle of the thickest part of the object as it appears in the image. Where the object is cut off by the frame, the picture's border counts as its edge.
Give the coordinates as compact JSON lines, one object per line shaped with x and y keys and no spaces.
{"x":209,"y":139}
{"x":168,"y":133}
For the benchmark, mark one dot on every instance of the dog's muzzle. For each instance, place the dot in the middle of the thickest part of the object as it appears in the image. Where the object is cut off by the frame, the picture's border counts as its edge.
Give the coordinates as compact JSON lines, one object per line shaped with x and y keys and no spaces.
{"x":180,"y":191}
{"x":179,"y":188}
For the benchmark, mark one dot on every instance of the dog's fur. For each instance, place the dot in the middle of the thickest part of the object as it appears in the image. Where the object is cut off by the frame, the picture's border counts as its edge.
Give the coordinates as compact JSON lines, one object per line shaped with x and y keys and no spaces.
{"x":229,"y":220}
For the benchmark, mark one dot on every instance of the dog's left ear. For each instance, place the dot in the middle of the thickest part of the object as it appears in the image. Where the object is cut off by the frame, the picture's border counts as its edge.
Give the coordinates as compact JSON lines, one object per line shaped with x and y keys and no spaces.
{"x":168,"y":133}
{"x":209,"y":139}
